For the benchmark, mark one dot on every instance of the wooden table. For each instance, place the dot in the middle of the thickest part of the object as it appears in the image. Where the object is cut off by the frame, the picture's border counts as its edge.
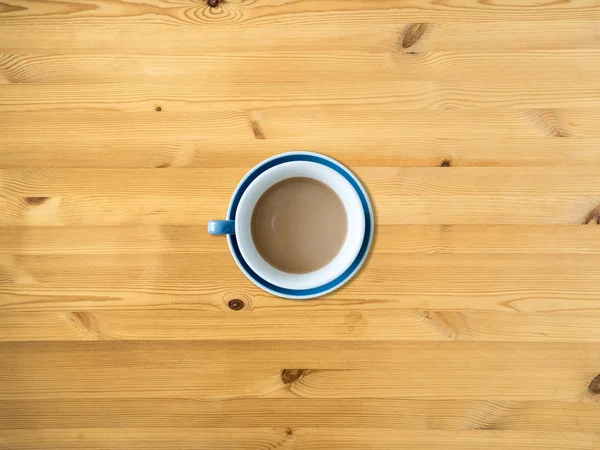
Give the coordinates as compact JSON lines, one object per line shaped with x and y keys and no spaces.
{"x":125,"y":126}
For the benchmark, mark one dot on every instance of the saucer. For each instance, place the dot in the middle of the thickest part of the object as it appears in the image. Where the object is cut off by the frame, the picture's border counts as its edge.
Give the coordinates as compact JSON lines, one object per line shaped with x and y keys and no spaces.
{"x":352,"y":268}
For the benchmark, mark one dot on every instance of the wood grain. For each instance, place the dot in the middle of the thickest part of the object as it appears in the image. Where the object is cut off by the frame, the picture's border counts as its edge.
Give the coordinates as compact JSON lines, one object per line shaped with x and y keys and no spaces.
{"x":310,"y":438}
{"x":126,"y":125}
{"x":390,"y":95}
{"x":401,"y":196}
{"x":208,"y":281}
{"x":393,"y":239}
{"x":327,"y":32}
{"x":423,"y":415}
{"x":203,"y":369}
{"x":109,"y":151}
{"x":189,"y":13}
{"x":332,"y":324}
{"x":448,"y":73}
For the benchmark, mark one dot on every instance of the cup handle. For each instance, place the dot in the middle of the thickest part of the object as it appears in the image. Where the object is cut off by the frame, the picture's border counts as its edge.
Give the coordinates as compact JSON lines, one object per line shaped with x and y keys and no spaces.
{"x":221,"y":227}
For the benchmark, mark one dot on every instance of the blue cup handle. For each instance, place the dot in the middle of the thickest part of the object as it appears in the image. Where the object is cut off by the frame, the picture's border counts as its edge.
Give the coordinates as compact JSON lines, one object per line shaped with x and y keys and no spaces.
{"x":221,"y":227}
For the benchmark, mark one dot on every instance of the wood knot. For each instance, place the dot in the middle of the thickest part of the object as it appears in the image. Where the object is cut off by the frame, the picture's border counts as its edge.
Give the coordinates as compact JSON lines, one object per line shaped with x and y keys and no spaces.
{"x":289,"y":431}
{"x":79,"y":318}
{"x":236,"y":304}
{"x":158,"y":108}
{"x":84,"y":322}
{"x":446,"y":163}
{"x":257,"y":130}
{"x":593,"y":217}
{"x":594,"y":387}
{"x":6,"y":8}
{"x":163,"y":166}
{"x":34,"y":201}
{"x":291,"y":375}
{"x":412,"y":33}
{"x":213,"y":3}
{"x":552,"y":122}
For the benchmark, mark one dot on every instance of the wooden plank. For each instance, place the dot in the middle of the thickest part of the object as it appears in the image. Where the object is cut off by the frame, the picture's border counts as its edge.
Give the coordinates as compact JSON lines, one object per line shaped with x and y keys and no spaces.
{"x":222,"y":369}
{"x":207,"y":281}
{"x":342,"y":123}
{"x":301,"y":324}
{"x":405,"y":414}
{"x":382,"y":181}
{"x":72,"y":197}
{"x":150,"y":210}
{"x":392,"y":94}
{"x":305,"y":439}
{"x":103,"y":151}
{"x":403,"y":239}
{"x":462,"y":69}
{"x":325,"y":32}
{"x":163,"y":11}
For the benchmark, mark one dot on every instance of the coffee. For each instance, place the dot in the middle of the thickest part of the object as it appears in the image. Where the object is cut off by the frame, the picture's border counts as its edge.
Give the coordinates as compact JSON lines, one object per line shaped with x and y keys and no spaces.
{"x":299,"y":225}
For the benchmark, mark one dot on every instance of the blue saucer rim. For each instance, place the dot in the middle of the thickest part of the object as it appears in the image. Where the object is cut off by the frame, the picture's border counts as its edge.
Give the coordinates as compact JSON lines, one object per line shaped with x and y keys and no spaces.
{"x":326,"y":288}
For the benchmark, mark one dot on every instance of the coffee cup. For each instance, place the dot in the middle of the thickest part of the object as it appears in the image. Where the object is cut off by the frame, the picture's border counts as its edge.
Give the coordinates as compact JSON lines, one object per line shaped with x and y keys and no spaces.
{"x":288,"y":183}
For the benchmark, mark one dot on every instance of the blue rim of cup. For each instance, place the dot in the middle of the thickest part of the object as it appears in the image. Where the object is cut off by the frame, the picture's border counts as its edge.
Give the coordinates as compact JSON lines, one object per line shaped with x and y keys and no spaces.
{"x":352,"y":268}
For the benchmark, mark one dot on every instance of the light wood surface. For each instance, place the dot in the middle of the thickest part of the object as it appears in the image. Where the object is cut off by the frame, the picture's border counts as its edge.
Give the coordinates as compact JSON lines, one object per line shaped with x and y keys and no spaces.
{"x":126,"y":125}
